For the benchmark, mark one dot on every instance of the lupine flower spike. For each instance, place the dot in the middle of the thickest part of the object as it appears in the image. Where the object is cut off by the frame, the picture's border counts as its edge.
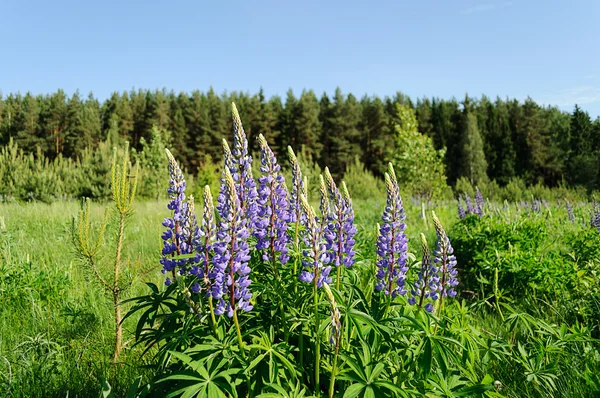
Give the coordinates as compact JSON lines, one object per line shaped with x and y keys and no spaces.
{"x":270,"y":225}
{"x":341,"y":224}
{"x":176,"y":237}
{"x":461,"y":210}
{"x":445,"y":261}
{"x":229,"y":277}
{"x":315,"y":254}
{"x":392,"y":244}
{"x":324,"y":204}
{"x":469,"y":203}
{"x":479,"y":203}
{"x":570,"y":213}
{"x":426,"y":285}
{"x":241,"y":168}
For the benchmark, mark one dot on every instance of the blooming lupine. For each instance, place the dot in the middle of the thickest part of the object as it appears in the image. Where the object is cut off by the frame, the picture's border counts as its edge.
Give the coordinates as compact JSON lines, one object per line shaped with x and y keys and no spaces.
{"x":470,"y":209}
{"x":426,"y":286}
{"x":461,"y":210}
{"x":208,"y":229}
{"x":182,"y":231}
{"x":229,"y":276}
{"x":270,"y":224}
{"x":479,"y":203}
{"x":315,"y":254}
{"x":570,"y":213}
{"x":241,"y":168}
{"x":392,"y":244}
{"x":445,"y":261}
{"x":341,"y":224}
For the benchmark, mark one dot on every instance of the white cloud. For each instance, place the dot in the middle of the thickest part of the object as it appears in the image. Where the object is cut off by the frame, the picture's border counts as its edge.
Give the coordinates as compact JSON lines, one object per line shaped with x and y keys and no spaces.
{"x":580,"y":95}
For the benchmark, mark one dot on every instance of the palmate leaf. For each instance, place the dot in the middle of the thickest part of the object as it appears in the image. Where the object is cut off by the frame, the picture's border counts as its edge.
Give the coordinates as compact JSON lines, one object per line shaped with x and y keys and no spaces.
{"x":212,"y":380}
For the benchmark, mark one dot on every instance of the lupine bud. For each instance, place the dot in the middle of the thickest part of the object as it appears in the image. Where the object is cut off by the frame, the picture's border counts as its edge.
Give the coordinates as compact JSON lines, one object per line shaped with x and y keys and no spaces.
{"x":445,"y":261}
{"x":298,"y":187}
{"x":426,"y":286}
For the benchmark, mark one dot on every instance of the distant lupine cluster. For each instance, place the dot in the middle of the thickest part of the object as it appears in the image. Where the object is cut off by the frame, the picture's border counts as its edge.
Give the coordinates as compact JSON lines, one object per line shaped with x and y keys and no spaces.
{"x":570,"y":213}
{"x":467,"y":207}
{"x":595,"y":215}
{"x":250,"y":216}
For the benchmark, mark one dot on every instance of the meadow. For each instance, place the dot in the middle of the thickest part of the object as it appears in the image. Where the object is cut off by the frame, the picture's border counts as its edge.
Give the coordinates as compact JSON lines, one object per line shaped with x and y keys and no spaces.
{"x":324,"y":295}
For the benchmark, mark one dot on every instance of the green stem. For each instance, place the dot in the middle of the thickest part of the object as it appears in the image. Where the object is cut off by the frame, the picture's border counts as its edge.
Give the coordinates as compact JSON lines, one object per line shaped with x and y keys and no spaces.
{"x":317,"y":341}
{"x":339,"y":276}
{"x":297,"y":242}
{"x":239,"y":333}
{"x":333,"y":374}
{"x":213,"y":321}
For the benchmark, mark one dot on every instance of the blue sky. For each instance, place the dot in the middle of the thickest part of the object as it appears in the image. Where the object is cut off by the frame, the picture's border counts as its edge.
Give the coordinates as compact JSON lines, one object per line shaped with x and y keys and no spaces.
{"x":549,"y":50}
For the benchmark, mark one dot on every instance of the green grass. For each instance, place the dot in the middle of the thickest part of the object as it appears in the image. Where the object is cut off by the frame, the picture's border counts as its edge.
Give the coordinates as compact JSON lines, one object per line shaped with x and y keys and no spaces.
{"x":57,"y":325}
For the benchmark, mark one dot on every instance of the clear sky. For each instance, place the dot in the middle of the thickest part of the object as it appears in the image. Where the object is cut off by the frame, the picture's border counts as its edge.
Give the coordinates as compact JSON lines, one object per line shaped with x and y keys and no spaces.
{"x":546,"y":49}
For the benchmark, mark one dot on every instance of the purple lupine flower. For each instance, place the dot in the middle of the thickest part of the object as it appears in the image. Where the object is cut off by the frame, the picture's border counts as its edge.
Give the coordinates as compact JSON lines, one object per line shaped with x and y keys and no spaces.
{"x":469,"y":203}
{"x":241,"y":168}
{"x":595,"y":214}
{"x":570,"y":213}
{"x":270,"y":224}
{"x":461,"y":210}
{"x":298,"y":187}
{"x":445,"y":261}
{"x":315,"y":254}
{"x":479,"y":202}
{"x":341,"y":224}
{"x":392,"y":244}
{"x":182,"y":231}
{"x":229,"y":276}
{"x":426,"y":286}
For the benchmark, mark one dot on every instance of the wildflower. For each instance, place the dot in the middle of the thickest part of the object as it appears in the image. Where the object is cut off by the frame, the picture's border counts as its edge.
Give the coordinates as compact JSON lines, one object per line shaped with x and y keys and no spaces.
{"x":479,"y":203}
{"x":240,"y":165}
{"x":392,"y":244}
{"x":315,"y":255}
{"x":298,"y":187}
{"x":182,"y":232}
{"x":209,"y":231}
{"x":341,"y":223}
{"x":570,"y":213}
{"x":461,"y":210}
{"x":229,"y":276}
{"x":273,"y":212}
{"x":445,"y":261}
{"x":469,"y":203}
{"x":426,"y":285}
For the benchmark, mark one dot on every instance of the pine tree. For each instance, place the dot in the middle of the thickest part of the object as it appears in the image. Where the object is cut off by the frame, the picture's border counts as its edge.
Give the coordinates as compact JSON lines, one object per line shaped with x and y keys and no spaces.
{"x":308,"y":127}
{"x":377,"y":136}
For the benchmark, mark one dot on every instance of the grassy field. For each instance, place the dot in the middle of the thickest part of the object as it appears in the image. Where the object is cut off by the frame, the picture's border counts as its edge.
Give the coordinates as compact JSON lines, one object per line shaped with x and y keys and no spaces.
{"x":57,"y":325}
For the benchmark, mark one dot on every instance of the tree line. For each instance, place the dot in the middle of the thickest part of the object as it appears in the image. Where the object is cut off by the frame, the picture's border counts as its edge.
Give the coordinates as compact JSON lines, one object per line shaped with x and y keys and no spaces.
{"x":482,"y":139}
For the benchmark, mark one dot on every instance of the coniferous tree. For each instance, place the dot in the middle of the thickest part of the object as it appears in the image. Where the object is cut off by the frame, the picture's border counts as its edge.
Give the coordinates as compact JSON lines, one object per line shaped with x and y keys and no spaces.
{"x":377,"y":135}
{"x":308,"y":127}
